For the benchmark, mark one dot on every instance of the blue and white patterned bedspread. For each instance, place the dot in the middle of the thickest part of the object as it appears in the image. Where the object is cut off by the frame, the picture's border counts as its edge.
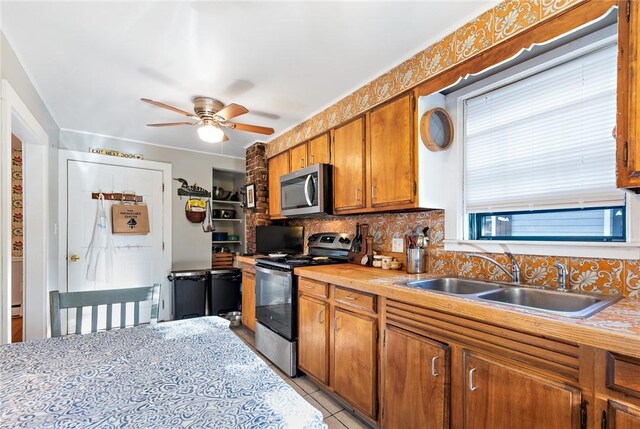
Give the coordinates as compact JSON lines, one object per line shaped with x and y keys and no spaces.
{"x":190,"y":373}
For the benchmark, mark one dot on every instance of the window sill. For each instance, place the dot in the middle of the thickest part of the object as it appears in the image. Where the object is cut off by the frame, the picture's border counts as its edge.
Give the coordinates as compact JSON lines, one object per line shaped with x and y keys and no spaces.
{"x":567,"y":248}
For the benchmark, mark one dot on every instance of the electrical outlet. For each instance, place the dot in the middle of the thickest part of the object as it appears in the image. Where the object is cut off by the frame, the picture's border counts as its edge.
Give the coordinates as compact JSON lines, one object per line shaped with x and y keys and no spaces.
{"x":397,"y":245}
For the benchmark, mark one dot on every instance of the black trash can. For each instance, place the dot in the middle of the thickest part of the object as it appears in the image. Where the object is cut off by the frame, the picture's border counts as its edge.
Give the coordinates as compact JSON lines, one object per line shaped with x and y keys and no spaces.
{"x":224,"y":291}
{"x":189,"y":293}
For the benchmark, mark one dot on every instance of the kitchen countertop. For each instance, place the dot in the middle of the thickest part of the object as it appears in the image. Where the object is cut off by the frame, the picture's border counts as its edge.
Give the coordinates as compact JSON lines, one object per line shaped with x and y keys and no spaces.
{"x":616,"y":328}
{"x":246,"y":259}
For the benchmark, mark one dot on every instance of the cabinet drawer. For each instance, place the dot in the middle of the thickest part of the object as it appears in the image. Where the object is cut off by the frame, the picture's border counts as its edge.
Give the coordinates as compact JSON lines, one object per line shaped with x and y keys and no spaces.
{"x":623,"y":374}
{"x":313,"y":288}
{"x":355,"y":299}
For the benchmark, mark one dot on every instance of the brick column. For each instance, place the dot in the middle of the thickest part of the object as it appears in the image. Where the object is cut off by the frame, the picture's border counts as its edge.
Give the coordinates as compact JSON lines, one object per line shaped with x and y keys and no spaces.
{"x":258,"y":174}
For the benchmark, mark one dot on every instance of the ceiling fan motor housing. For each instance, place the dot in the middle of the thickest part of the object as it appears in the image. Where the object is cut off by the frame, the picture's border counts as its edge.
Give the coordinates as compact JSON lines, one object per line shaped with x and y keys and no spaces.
{"x":206,"y":107}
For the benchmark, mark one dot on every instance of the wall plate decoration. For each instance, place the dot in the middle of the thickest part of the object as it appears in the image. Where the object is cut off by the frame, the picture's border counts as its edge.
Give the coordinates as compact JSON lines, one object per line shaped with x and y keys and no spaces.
{"x":436,"y":129}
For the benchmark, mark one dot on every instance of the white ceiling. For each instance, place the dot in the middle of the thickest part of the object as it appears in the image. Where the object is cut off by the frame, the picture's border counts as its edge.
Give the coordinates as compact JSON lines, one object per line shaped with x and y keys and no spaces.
{"x":284,"y":61}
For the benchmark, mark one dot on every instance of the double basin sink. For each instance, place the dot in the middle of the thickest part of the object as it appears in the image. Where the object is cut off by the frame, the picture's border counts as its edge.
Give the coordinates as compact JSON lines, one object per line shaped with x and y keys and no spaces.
{"x":563,"y":303}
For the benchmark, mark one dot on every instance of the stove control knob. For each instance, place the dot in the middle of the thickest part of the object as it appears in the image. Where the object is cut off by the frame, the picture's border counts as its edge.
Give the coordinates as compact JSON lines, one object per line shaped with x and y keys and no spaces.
{"x":345,"y":240}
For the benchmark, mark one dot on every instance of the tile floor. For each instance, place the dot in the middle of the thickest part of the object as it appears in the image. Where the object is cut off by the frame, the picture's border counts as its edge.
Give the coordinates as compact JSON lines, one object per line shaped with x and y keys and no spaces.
{"x":334,"y":415}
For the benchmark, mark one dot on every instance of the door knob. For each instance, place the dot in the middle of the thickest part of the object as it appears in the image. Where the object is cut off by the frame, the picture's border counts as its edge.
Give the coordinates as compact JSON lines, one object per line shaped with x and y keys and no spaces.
{"x":74,"y":258}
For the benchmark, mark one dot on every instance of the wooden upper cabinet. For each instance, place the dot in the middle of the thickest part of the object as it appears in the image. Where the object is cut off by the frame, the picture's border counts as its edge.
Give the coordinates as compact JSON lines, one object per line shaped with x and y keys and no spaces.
{"x":249,"y":301}
{"x":392,"y":154}
{"x":349,"y":167}
{"x":318,"y":151}
{"x":627,"y":126}
{"x":278,"y":166}
{"x":498,"y":396}
{"x":313,"y":334}
{"x":298,"y":157}
{"x":620,"y":416}
{"x":416,"y":383}
{"x":312,"y":152}
{"x":354,"y":364}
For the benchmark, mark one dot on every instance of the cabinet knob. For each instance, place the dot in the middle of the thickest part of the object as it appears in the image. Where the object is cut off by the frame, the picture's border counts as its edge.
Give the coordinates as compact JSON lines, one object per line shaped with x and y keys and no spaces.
{"x":320,"y":319}
{"x":74,"y":258}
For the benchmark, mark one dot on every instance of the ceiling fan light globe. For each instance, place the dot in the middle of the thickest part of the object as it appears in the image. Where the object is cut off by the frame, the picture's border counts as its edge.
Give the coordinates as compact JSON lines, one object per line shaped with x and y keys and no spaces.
{"x":210,"y":133}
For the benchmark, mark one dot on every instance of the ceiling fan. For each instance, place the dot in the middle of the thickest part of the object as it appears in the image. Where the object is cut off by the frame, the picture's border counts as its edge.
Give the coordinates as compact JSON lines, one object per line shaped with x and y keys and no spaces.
{"x":212,"y":115}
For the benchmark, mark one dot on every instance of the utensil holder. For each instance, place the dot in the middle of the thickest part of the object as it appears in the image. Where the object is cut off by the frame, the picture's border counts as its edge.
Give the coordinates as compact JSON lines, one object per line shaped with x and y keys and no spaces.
{"x":416,"y":260}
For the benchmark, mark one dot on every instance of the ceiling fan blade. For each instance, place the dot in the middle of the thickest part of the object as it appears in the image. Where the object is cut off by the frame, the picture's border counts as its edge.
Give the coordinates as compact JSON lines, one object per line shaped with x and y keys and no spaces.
{"x":231,"y":111}
{"x":252,"y":128}
{"x":172,"y":124}
{"x":166,"y":106}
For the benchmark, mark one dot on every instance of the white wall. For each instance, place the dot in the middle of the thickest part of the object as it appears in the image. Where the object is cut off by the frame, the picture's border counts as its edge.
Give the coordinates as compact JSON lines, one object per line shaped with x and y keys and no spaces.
{"x":191,"y":246}
{"x":12,"y":71}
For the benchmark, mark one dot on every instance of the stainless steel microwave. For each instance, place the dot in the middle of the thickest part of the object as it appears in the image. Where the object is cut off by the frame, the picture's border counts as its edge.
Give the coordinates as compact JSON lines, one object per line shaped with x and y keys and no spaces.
{"x":306,"y":192}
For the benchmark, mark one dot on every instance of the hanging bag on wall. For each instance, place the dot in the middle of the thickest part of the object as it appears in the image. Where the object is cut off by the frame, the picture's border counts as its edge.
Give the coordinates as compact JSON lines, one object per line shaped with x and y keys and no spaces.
{"x":130,"y":219}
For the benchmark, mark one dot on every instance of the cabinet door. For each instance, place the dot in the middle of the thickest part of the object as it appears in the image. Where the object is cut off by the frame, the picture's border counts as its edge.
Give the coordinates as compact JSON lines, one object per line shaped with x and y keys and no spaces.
{"x":628,"y":118}
{"x":416,"y":382}
{"x":278,"y":166}
{"x":622,"y":416}
{"x":349,"y":166}
{"x":313,"y":338}
{"x":249,"y":301}
{"x":499,"y":396}
{"x":354,"y":360}
{"x":391,"y":154}
{"x":298,"y":157}
{"x":318,"y":150}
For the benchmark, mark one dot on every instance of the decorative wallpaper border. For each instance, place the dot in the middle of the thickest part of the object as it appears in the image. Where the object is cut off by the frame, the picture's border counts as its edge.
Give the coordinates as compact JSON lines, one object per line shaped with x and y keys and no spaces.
{"x":16,"y":203}
{"x":504,"y":21}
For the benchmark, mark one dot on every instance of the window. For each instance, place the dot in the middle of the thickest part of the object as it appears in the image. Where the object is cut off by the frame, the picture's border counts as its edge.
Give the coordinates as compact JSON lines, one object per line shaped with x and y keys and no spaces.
{"x":540,"y":155}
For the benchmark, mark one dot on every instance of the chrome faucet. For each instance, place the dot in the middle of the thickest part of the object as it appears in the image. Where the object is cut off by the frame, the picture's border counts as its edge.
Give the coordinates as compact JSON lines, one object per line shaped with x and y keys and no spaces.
{"x":562,"y":276}
{"x":514,"y":274}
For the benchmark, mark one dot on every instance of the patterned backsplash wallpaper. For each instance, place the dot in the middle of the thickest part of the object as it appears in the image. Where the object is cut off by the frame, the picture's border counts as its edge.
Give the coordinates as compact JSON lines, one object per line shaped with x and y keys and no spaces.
{"x":607,"y":276}
{"x":16,"y":202}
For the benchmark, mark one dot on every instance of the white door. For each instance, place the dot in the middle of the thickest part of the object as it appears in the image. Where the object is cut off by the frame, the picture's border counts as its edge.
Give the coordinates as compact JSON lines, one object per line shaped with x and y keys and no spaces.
{"x":136,"y":259}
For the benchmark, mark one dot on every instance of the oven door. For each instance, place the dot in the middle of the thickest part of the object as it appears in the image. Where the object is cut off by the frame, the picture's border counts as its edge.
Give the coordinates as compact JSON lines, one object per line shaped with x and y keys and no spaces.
{"x":276,"y":300}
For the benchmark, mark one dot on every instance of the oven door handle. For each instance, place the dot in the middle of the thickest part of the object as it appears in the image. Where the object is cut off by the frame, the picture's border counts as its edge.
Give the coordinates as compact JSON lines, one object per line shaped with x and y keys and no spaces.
{"x":306,"y":190}
{"x":273,"y":272}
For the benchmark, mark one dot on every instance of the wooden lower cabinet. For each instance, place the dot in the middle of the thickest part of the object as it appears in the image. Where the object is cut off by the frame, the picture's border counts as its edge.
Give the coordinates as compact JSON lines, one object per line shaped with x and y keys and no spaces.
{"x":313,"y":334}
{"x":249,"y":300}
{"x":620,"y":416}
{"x":416,"y":386}
{"x":338,"y":344}
{"x":354,"y":364}
{"x":499,"y":396}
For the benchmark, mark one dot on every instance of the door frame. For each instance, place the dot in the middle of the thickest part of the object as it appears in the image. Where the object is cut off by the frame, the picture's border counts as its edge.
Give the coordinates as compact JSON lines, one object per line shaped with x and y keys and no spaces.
{"x":63,"y":159}
{"x":16,"y":118}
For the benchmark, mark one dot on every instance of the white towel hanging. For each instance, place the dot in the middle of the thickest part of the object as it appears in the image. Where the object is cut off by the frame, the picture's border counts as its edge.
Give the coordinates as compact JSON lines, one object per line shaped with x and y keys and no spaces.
{"x":101,"y":250}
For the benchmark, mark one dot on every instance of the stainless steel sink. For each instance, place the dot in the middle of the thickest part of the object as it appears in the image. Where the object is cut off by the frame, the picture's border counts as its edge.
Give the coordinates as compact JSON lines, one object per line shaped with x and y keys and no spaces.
{"x":454,"y":286}
{"x":569,"y":304}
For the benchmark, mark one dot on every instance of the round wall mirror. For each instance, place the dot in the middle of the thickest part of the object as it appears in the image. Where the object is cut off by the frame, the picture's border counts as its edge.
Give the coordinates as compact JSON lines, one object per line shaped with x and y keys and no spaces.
{"x":436,"y":129}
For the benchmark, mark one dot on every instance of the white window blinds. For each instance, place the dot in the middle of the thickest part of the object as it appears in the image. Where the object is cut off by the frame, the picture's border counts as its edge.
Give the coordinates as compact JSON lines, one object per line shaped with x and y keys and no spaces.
{"x":545,"y":142}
